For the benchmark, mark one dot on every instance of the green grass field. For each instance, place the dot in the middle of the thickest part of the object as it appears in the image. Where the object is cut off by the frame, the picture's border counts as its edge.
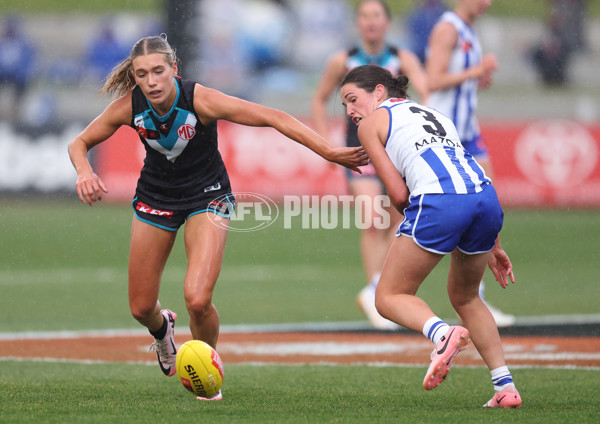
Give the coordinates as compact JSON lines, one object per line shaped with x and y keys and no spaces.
{"x":116,"y":393}
{"x":63,"y":267}
{"x":58,"y":255}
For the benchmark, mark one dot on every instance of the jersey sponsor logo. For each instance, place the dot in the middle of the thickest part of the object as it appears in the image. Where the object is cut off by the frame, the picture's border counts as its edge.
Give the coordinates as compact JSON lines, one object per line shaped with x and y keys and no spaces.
{"x":186,"y":132}
{"x":147,"y":133}
{"x":466,"y":46}
{"x":152,"y":211}
{"x":213,"y":187}
{"x":438,"y":140}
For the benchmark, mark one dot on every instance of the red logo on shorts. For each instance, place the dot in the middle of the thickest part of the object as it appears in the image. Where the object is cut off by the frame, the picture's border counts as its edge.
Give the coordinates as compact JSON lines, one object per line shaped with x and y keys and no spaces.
{"x":147,"y":209}
{"x":186,"y":132}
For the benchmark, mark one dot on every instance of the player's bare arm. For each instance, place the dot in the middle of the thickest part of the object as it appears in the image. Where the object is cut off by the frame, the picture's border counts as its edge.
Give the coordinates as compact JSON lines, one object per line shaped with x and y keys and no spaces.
{"x":89,"y":186}
{"x":330,"y":79}
{"x":212,"y":105}
{"x":412,"y":68}
{"x":372,"y":133}
{"x":441,"y":44}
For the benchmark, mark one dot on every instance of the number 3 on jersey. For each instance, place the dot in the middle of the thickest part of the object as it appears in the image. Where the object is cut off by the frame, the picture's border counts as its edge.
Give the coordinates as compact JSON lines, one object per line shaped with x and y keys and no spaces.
{"x":430,"y":117}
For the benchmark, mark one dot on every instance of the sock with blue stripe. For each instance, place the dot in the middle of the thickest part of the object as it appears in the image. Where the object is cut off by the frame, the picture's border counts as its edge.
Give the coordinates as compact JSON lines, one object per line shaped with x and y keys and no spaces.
{"x":434,"y":329}
{"x":375,"y":280}
{"x":501,"y":377}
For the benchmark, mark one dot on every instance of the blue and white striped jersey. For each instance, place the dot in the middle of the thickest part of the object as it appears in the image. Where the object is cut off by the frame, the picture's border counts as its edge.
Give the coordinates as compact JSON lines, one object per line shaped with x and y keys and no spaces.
{"x":425,"y":147}
{"x":459,"y":103}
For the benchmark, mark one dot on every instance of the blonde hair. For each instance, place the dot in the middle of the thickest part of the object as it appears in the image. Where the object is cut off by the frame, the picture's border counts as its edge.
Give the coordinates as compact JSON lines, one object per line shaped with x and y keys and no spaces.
{"x":121,"y":79}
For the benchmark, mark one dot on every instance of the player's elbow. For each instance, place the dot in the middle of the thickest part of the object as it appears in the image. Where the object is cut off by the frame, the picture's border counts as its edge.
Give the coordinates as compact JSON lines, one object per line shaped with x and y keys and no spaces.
{"x":399,"y":199}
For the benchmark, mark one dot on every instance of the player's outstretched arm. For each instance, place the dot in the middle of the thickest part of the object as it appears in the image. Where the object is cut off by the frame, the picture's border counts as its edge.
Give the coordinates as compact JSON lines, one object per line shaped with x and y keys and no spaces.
{"x":211,"y":105}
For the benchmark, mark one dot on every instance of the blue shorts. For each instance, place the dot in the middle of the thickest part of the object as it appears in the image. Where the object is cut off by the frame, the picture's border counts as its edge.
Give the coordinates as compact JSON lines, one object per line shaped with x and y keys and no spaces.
{"x":440,"y":223}
{"x":476,"y":148}
{"x":172,"y":219}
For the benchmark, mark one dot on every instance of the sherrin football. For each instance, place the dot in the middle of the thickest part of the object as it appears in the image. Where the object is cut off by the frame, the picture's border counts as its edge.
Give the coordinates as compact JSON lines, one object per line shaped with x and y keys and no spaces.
{"x":199,"y":368}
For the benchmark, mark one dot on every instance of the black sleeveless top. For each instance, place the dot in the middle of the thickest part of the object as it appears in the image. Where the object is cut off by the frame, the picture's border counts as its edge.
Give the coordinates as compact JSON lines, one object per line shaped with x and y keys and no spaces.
{"x":387,"y":58}
{"x":182,"y":164}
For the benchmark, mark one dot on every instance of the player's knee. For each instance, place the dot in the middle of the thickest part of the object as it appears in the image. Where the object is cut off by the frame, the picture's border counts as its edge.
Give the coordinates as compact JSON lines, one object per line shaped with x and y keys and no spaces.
{"x":458,"y":299}
{"x":198,"y":305}
{"x":382,"y":305}
{"x":142,"y":312}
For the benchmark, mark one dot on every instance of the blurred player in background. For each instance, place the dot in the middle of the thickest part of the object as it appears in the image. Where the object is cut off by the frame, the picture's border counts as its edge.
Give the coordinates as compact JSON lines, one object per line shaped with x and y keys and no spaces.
{"x":373,"y":19}
{"x":183,"y":180}
{"x":450,"y":207}
{"x":456,"y":70}
{"x":420,"y":21}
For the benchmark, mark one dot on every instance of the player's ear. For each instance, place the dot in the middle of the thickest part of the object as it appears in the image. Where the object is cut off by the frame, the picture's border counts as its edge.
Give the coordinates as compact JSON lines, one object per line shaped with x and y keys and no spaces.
{"x":380,"y":92}
{"x":175,"y":68}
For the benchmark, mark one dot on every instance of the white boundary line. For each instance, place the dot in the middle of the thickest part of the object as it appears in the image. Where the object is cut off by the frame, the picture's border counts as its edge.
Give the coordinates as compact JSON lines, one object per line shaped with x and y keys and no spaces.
{"x":285,"y":327}
{"x":381,"y":364}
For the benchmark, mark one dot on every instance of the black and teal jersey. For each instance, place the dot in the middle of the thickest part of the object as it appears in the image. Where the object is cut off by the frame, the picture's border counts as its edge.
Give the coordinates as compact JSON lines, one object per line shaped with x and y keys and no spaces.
{"x":387,"y":58}
{"x":183,"y":164}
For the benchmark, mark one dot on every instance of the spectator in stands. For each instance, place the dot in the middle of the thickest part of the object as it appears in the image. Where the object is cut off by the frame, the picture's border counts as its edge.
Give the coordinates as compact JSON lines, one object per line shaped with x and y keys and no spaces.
{"x":565,"y":35}
{"x":17,"y":61}
{"x":105,"y":51}
{"x":420,"y":22}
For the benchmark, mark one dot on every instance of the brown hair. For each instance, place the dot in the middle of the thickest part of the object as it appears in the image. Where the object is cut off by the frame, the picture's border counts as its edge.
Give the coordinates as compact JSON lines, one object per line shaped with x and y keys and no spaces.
{"x":368,"y":77}
{"x":121,"y":79}
{"x":383,"y":3}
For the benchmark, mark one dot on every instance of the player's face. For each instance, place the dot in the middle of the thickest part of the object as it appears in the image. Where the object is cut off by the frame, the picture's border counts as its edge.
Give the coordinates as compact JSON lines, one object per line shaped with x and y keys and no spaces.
{"x":372,"y":21}
{"x":155,"y":75}
{"x":359,"y":102}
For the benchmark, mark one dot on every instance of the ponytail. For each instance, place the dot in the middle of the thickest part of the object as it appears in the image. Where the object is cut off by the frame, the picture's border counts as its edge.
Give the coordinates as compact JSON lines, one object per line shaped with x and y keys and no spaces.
{"x":121,"y":80}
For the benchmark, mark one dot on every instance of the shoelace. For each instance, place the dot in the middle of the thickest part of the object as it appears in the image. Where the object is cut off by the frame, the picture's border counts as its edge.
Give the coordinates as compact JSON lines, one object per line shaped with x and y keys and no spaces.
{"x":433,"y":352}
{"x":160,"y":346}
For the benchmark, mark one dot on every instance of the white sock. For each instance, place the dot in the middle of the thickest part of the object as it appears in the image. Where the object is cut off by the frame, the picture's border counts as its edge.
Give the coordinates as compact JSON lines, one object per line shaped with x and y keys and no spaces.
{"x":375,"y":280}
{"x":434,"y":329}
{"x":501,"y":377}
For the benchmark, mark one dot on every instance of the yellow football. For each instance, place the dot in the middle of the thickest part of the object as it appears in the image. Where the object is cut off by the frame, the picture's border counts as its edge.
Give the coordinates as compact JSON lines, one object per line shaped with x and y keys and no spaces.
{"x":199,"y":368}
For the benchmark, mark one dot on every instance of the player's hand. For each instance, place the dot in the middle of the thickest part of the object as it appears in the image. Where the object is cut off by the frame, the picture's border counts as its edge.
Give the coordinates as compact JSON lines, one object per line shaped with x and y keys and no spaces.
{"x":501,"y":267}
{"x":350,"y":157}
{"x":485,"y":81}
{"x":489,"y":63}
{"x":89,"y":188}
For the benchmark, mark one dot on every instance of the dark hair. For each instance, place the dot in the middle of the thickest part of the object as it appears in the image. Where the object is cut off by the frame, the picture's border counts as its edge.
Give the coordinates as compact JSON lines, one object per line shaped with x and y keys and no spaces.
{"x":368,"y":77}
{"x":383,"y":3}
{"x":121,"y":80}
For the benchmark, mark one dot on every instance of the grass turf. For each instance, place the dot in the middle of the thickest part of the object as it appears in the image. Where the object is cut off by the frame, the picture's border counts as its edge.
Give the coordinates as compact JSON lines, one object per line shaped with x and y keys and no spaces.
{"x":69,"y":261}
{"x":117,"y":393}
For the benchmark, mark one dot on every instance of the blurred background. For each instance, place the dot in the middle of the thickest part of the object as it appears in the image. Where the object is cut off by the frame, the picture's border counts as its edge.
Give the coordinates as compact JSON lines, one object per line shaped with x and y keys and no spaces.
{"x":540,"y":120}
{"x":55,"y":55}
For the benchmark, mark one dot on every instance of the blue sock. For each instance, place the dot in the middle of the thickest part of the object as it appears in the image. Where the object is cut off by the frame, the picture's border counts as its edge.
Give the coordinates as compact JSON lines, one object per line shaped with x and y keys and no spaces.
{"x":434,"y":329}
{"x":501,"y":377}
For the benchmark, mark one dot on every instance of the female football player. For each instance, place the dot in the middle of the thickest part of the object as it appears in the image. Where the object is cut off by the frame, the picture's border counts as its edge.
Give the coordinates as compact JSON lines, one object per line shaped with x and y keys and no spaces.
{"x":183,"y":180}
{"x":373,"y":19}
{"x":450,"y":207}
